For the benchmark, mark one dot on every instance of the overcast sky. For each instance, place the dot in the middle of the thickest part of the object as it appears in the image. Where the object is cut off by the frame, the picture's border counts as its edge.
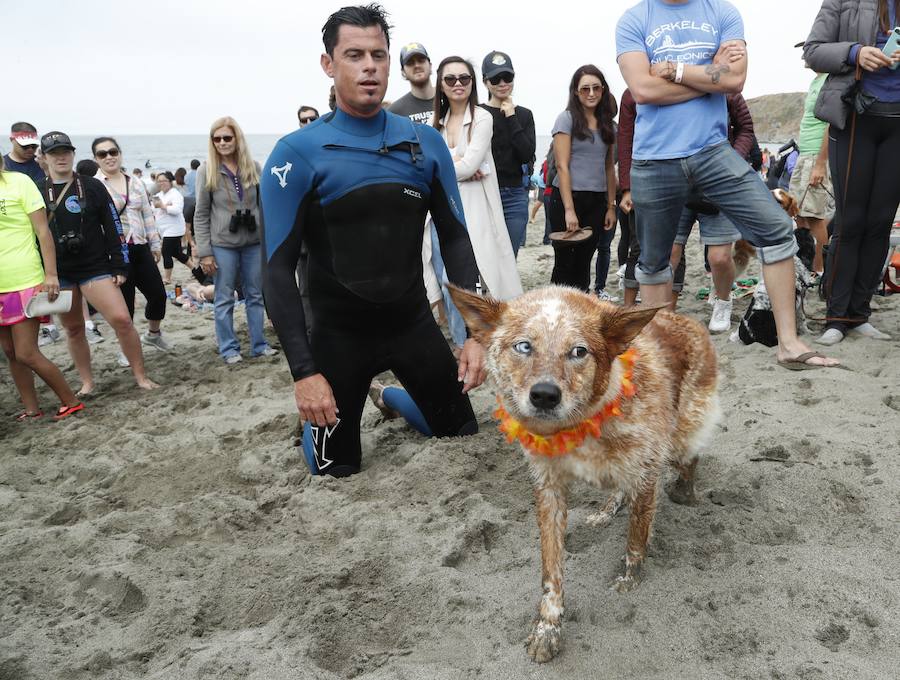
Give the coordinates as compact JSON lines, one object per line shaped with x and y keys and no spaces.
{"x":164,"y":67}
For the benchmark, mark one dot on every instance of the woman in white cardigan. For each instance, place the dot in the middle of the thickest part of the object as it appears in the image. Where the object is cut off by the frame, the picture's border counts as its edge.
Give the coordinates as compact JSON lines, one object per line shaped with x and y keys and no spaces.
{"x":168,"y":209}
{"x":468,"y":129}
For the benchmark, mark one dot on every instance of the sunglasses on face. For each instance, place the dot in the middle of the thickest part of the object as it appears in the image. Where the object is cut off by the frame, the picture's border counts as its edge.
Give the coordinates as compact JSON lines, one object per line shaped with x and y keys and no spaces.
{"x":463,"y":80}
{"x":310,"y":119}
{"x":224,"y":138}
{"x":588,"y":90}
{"x":501,"y":77}
{"x":103,"y":153}
{"x":30,"y":147}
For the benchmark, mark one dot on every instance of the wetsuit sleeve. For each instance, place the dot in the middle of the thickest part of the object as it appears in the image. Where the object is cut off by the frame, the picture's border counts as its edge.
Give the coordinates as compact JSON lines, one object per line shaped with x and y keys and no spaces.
{"x":446,"y":211}
{"x":286,"y":186}
{"x":202,"y":210}
{"x":116,"y":247}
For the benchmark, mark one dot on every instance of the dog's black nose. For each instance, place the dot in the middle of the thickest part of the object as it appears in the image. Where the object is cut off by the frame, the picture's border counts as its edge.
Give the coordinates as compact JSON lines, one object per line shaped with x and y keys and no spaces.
{"x":545,"y":395}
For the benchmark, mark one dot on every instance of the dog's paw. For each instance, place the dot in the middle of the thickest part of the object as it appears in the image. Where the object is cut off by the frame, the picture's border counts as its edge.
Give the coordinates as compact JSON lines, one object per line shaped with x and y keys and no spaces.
{"x":544,"y":642}
{"x":599,"y":519}
{"x":625,"y":583}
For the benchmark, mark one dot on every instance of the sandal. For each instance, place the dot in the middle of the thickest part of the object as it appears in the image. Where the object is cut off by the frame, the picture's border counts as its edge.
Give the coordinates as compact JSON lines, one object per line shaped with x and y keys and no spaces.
{"x":25,"y":416}
{"x":65,"y":411}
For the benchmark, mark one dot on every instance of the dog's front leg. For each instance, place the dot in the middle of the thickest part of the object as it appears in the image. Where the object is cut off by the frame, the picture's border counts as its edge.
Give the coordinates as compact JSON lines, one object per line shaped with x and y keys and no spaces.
{"x":544,"y":641}
{"x":643,"y":508}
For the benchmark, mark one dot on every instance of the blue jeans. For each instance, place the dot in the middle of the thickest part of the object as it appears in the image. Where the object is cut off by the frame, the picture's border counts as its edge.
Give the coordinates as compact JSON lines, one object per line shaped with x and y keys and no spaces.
{"x":660,"y":188}
{"x":247,"y":262}
{"x":601,"y":268}
{"x":454,"y":318}
{"x":515,"y":214}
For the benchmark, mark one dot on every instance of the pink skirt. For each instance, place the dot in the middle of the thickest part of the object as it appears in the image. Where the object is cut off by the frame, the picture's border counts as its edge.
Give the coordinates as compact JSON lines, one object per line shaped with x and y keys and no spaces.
{"x":12,"y":306}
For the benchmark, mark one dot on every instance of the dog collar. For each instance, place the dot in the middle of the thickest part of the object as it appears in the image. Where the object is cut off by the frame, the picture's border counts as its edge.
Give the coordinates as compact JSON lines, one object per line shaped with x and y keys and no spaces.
{"x":563,"y":442}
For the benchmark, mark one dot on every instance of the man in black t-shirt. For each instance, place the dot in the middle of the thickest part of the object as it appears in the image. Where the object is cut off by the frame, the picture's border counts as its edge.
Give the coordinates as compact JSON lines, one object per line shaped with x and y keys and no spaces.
{"x":418,"y":103}
{"x":24,"y":138}
{"x":512,"y":145}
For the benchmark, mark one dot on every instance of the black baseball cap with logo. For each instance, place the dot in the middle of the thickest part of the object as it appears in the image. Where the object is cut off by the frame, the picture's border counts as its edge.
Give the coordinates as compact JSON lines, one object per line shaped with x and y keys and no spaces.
{"x":56,"y":140}
{"x":495,"y":63}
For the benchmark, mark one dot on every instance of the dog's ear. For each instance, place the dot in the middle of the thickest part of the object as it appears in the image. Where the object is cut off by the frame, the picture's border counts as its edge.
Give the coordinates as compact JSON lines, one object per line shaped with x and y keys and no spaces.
{"x":622,"y":325}
{"x":787,"y":201}
{"x":481,"y":313}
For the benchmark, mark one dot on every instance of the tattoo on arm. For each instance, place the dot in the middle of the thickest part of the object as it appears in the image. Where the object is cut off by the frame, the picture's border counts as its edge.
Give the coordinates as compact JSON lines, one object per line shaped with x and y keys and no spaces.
{"x":715,"y":72}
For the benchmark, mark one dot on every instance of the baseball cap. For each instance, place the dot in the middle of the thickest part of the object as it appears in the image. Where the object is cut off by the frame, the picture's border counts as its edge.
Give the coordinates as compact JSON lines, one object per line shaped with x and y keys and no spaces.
{"x":496,"y":62}
{"x":25,"y":138}
{"x":55,"y":140}
{"x":410,"y":50}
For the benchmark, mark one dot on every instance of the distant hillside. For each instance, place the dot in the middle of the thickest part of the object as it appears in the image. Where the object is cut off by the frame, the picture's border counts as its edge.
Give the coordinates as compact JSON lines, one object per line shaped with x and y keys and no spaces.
{"x":776,"y":117}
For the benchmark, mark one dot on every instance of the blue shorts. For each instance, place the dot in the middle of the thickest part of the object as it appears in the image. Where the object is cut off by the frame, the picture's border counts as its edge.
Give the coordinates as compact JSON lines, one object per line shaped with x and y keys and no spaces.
{"x":82,"y":281}
{"x":715,"y":230}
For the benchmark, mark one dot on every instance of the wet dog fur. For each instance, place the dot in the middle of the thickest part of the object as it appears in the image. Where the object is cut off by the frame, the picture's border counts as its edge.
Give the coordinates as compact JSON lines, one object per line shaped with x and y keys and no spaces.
{"x":570,"y":340}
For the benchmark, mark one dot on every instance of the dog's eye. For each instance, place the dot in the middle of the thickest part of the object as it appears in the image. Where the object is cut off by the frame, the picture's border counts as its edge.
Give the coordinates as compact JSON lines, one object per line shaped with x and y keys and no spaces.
{"x":523,"y":347}
{"x":578,"y":352}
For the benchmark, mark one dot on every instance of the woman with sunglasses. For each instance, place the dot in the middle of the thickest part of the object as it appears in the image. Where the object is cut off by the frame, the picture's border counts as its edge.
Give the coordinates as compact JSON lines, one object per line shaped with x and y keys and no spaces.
{"x":512,"y":145}
{"x":132,"y":203}
{"x":467,"y":129}
{"x":585,"y":182}
{"x":168,"y":209}
{"x":227,"y":234}
{"x":91,"y":258}
{"x":27,"y":267}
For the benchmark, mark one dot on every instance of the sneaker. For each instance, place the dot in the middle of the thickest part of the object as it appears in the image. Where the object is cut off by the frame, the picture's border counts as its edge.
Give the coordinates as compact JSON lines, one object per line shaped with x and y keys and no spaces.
{"x":720,"y":321}
{"x":606,"y":297}
{"x":233,"y":359}
{"x":831,"y":336}
{"x":267,"y":352}
{"x":122,"y":360}
{"x":867,"y":330}
{"x":156,"y":340}
{"x":93,"y":335}
{"x":47,"y":336}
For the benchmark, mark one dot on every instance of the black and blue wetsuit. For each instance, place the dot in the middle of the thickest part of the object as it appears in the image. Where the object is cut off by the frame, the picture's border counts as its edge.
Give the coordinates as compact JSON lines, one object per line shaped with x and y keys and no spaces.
{"x":357,"y":191}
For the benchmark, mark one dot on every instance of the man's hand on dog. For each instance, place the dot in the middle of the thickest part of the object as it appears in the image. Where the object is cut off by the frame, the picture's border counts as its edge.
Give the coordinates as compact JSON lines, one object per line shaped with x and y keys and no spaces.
{"x":471,"y":365}
{"x":315,"y":400}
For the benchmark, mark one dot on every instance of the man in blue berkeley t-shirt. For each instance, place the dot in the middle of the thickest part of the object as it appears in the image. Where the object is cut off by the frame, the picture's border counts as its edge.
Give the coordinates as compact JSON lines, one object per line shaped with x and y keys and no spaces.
{"x":25,"y":141}
{"x":680,"y":58}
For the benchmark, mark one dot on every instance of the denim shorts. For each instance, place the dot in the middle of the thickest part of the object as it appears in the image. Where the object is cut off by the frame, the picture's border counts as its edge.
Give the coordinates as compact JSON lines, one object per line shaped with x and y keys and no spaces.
{"x":660,"y":188}
{"x":715,"y":230}
{"x":82,"y":281}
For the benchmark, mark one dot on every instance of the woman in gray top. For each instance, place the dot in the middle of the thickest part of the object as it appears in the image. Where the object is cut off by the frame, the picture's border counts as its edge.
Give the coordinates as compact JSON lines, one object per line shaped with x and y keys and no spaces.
{"x":226,"y":230}
{"x":585,"y":180}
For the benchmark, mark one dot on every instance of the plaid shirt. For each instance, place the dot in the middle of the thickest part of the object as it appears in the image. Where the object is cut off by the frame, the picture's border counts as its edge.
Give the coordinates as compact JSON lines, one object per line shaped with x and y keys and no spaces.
{"x":137,"y":217}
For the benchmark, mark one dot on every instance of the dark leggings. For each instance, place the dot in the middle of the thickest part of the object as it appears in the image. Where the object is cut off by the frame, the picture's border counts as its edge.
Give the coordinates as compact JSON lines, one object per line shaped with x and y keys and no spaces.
{"x":862,"y":228}
{"x":572,"y":262}
{"x":417,"y":354}
{"x":143,"y":275}
{"x":171,"y":247}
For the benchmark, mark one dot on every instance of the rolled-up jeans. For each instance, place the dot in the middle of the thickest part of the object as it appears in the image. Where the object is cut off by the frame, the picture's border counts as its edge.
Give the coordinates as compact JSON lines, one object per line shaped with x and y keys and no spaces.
{"x":247,"y":262}
{"x":515,"y":213}
{"x":660,"y":188}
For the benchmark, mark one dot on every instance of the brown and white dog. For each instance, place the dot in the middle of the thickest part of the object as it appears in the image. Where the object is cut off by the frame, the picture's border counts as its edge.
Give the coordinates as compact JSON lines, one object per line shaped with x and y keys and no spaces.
{"x":601,"y":393}
{"x":743,"y":252}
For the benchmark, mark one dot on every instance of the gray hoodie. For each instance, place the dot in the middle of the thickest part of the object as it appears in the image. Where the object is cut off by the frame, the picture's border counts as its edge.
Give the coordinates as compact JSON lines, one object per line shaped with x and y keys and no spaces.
{"x":214,"y":210}
{"x":839,"y":25}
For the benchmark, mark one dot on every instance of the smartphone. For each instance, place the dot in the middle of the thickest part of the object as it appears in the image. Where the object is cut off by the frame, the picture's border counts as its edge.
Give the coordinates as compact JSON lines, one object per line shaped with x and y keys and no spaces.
{"x":893,"y":44}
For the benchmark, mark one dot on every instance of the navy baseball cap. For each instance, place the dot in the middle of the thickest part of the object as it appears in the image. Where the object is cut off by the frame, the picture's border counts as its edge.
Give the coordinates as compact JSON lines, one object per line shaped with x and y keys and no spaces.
{"x":411,"y":50}
{"x":56,"y":140}
{"x":496,"y":62}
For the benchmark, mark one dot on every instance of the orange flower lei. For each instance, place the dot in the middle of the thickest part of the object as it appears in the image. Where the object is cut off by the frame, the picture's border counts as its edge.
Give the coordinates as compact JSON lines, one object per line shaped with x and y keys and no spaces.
{"x":562,"y":442}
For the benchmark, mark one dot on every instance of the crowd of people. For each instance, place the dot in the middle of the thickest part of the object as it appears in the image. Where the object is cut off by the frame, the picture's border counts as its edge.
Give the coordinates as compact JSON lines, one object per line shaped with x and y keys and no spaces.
{"x":352,"y":271}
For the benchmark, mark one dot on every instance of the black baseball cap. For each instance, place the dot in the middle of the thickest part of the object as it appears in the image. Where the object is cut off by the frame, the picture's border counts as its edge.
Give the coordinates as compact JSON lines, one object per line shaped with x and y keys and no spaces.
{"x":56,"y":140}
{"x":411,"y":50}
{"x":496,"y":62}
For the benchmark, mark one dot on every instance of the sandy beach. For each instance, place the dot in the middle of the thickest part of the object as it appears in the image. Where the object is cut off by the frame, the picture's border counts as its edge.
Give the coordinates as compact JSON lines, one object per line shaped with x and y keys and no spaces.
{"x":178,"y":534}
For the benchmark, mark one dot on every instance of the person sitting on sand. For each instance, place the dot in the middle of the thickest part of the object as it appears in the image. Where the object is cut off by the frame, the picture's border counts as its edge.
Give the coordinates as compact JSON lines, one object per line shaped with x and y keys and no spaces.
{"x":365,"y":266}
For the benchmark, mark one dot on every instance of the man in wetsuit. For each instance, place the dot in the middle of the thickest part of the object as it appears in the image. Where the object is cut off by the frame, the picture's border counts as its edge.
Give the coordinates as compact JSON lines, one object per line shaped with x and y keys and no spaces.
{"x":355,"y":186}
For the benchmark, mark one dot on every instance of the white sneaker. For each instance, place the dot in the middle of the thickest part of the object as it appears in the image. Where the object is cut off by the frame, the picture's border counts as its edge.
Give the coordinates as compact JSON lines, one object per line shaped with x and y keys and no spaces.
{"x":267,"y":352}
{"x":233,"y":359}
{"x":156,"y":340}
{"x":47,"y":336}
{"x":867,"y":330}
{"x":830,"y":337}
{"x":606,"y":297}
{"x":93,"y":335}
{"x":720,"y":321}
{"x":122,"y":360}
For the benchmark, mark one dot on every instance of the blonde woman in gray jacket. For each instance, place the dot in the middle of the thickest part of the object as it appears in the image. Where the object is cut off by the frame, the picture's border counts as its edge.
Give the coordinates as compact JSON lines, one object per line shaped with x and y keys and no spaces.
{"x":848,"y":34}
{"x":226,"y":229}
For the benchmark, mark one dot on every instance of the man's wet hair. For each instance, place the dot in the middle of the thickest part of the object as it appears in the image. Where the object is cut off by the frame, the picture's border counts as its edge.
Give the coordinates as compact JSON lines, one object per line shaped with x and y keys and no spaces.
{"x":22,"y":126}
{"x":363,"y":16}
